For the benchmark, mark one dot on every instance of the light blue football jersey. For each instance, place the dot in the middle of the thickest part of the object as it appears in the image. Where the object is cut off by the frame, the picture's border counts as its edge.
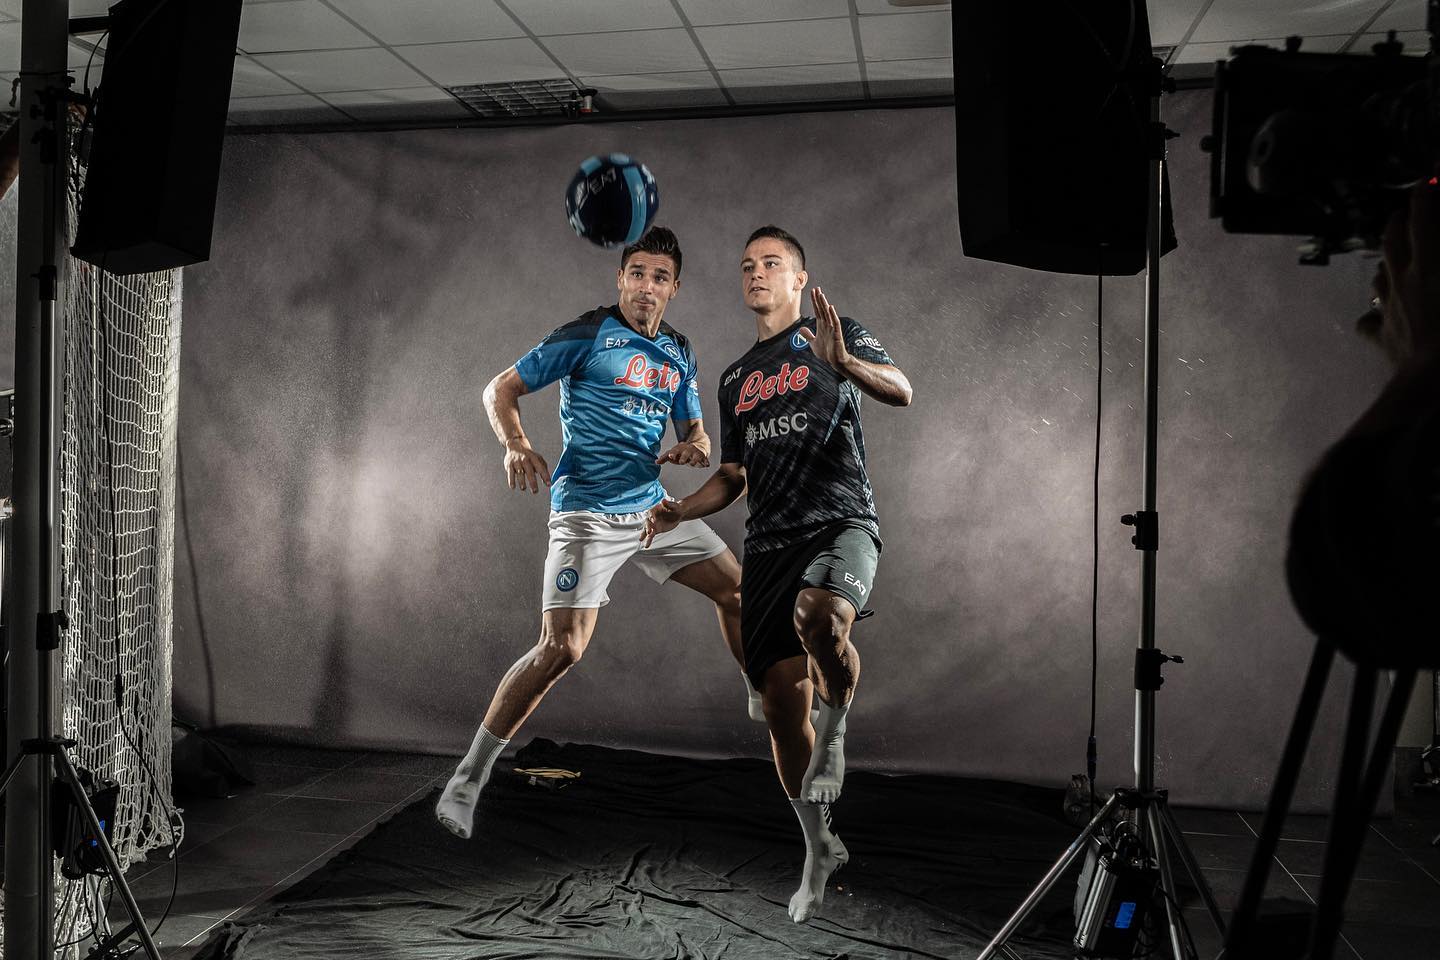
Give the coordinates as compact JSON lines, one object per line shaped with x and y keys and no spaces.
{"x":617,"y":389}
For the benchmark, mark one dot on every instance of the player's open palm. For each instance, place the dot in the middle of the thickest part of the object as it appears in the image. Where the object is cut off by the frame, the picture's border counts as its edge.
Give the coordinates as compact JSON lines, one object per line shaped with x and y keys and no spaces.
{"x":524,"y":468}
{"x":827,"y":340}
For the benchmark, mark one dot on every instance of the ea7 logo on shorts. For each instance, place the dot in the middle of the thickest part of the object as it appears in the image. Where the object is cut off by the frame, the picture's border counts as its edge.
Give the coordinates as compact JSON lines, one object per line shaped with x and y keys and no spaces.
{"x":775,"y":427}
{"x":567,"y":579}
{"x":850,"y":579}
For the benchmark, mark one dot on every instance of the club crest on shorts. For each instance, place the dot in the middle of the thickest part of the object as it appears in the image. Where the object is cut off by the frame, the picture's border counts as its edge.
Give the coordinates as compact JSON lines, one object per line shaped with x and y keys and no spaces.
{"x":567,"y":579}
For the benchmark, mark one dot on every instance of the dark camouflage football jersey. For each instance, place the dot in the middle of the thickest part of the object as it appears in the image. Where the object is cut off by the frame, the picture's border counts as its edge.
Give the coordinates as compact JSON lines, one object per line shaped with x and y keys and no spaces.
{"x":794,"y":424}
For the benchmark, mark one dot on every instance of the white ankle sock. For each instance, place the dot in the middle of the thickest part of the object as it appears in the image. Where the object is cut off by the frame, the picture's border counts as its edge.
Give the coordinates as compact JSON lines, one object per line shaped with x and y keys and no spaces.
{"x":456,"y":809}
{"x":826,"y":774}
{"x":753,"y":706}
{"x":824,"y":854}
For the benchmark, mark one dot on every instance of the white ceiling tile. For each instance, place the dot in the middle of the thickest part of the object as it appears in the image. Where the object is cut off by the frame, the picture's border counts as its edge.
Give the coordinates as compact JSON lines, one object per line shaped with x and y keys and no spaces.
{"x":1402,"y":15}
{"x":692,"y":80}
{"x":1237,"y":19}
{"x":641,"y":51}
{"x":296,"y":108}
{"x":323,"y":71}
{"x":703,"y":13}
{"x":1169,"y":19}
{"x":939,"y":68}
{"x":864,"y":7}
{"x":430,"y":22}
{"x":545,"y":17}
{"x":298,"y":25}
{"x":915,"y":37}
{"x":1206,"y":52}
{"x":482,"y":61}
{"x":778,"y":44}
{"x":794,"y":88}
{"x":252,"y":80}
{"x":423,"y":103}
{"x":785,"y":76}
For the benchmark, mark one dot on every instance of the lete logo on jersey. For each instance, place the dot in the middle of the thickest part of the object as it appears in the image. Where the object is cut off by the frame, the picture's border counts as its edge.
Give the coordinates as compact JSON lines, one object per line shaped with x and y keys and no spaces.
{"x":639,"y":373}
{"x":759,"y":387}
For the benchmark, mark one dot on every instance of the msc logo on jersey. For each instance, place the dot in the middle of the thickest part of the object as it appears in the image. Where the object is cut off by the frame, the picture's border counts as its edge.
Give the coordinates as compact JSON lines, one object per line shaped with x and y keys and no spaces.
{"x":567,"y":579}
{"x":798,"y":341}
{"x":776,"y":427}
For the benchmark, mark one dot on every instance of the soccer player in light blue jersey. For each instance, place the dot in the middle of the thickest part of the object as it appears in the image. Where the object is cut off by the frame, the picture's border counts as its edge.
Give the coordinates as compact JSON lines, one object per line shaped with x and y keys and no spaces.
{"x":623,"y":373}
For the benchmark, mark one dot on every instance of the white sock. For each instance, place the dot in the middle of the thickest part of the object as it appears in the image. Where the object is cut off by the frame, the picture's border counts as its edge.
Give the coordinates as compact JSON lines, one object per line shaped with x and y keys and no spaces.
{"x":456,"y":809}
{"x":824,"y":854}
{"x":826,"y":773}
{"x":754,"y":707}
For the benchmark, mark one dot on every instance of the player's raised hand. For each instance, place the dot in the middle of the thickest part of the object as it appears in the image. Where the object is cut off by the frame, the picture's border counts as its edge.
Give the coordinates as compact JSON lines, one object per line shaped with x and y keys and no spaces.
{"x":524,"y":467}
{"x":827,"y":340}
{"x":687,"y":453}
{"x":661,"y":518}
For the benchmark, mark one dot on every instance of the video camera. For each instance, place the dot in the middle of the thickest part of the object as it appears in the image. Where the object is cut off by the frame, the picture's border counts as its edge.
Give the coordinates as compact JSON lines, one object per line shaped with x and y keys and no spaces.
{"x":1322,"y":145}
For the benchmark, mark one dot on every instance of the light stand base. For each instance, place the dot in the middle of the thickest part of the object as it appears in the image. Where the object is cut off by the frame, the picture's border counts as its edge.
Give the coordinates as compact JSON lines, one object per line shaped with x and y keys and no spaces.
{"x":56,"y":749}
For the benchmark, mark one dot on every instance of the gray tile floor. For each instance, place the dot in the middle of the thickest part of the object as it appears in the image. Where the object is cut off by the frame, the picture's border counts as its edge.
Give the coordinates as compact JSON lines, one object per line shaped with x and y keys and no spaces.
{"x":310,"y":804}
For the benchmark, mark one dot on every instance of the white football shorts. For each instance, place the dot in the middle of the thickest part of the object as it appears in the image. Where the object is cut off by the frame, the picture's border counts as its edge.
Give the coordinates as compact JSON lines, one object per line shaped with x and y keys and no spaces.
{"x":587,"y":548}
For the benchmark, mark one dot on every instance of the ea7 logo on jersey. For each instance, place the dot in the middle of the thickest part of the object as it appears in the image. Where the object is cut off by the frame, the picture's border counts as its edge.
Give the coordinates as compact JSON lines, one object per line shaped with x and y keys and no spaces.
{"x":639,"y":373}
{"x":616,"y":342}
{"x":759,"y":387}
{"x":776,"y":427}
{"x":731,"y":376}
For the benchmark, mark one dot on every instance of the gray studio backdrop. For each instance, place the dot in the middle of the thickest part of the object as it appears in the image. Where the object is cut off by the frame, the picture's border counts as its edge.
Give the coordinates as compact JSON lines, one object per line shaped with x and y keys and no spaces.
{"x":365,"y":576}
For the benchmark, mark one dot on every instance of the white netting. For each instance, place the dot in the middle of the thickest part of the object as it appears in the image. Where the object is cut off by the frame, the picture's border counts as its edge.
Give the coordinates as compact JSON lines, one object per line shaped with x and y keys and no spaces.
{"x":117,"y":518}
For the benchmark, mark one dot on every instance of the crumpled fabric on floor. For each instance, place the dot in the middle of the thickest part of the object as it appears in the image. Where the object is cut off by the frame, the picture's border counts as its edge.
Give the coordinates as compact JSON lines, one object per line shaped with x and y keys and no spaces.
{"x":648,"y":857}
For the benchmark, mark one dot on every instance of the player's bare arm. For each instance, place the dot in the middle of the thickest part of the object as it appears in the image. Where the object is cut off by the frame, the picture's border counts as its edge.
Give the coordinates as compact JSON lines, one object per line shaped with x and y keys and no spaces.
{"x":880,"y":381}
{"x":523,"y":466}
{"x":693,"y":450}
{"x":724,"y":487}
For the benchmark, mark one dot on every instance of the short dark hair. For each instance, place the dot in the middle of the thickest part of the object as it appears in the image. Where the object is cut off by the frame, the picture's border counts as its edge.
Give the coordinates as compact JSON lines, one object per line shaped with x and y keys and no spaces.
{"x":660,"y":241}
{"x":784,"y":236}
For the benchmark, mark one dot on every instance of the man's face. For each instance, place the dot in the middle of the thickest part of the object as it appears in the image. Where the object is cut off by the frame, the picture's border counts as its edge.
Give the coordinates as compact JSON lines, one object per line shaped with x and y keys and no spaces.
{"x":770,"y":279}
{"x":646,"y":284}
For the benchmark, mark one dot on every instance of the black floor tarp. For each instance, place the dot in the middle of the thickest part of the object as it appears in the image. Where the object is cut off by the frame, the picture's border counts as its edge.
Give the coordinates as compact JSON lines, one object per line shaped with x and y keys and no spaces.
{"x":648,"y":857}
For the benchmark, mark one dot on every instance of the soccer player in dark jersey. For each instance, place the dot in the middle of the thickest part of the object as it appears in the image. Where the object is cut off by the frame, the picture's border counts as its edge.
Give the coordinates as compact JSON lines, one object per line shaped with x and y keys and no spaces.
{"x":623,"y":373}
{"x":791,"y":443}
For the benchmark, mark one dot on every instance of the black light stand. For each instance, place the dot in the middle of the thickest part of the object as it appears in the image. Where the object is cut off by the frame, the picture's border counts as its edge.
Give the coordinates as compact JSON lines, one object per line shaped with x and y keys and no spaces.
{"x":32,"y":595}
{"x":1147,"y":805}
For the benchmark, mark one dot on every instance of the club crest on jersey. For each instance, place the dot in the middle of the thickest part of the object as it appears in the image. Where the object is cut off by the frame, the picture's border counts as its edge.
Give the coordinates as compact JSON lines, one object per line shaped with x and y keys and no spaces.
{"x":672,"y":350}
{"x":759,"y":387}
{"x":639,"y":373}
{"x":797,"y":340}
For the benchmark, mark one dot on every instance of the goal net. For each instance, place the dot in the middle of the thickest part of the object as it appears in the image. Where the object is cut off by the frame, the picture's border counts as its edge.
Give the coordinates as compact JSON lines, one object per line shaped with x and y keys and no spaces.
{"x":121,"y":354}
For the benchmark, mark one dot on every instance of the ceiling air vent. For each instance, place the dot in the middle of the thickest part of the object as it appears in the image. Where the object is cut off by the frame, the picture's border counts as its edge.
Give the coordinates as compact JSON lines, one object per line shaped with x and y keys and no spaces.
{"x":525,"y":98}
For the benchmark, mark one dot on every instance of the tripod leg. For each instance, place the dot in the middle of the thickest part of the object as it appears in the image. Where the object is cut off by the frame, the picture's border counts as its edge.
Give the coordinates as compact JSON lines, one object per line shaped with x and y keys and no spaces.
{"x":62,"y":763}
{"x":10,"y":772}
{"x":1350,"y":823}
{"x":1157,"y":843}
{"x":1177,"y":838}
{"x":1242,"y":922}
{"x":1047,"y":881}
